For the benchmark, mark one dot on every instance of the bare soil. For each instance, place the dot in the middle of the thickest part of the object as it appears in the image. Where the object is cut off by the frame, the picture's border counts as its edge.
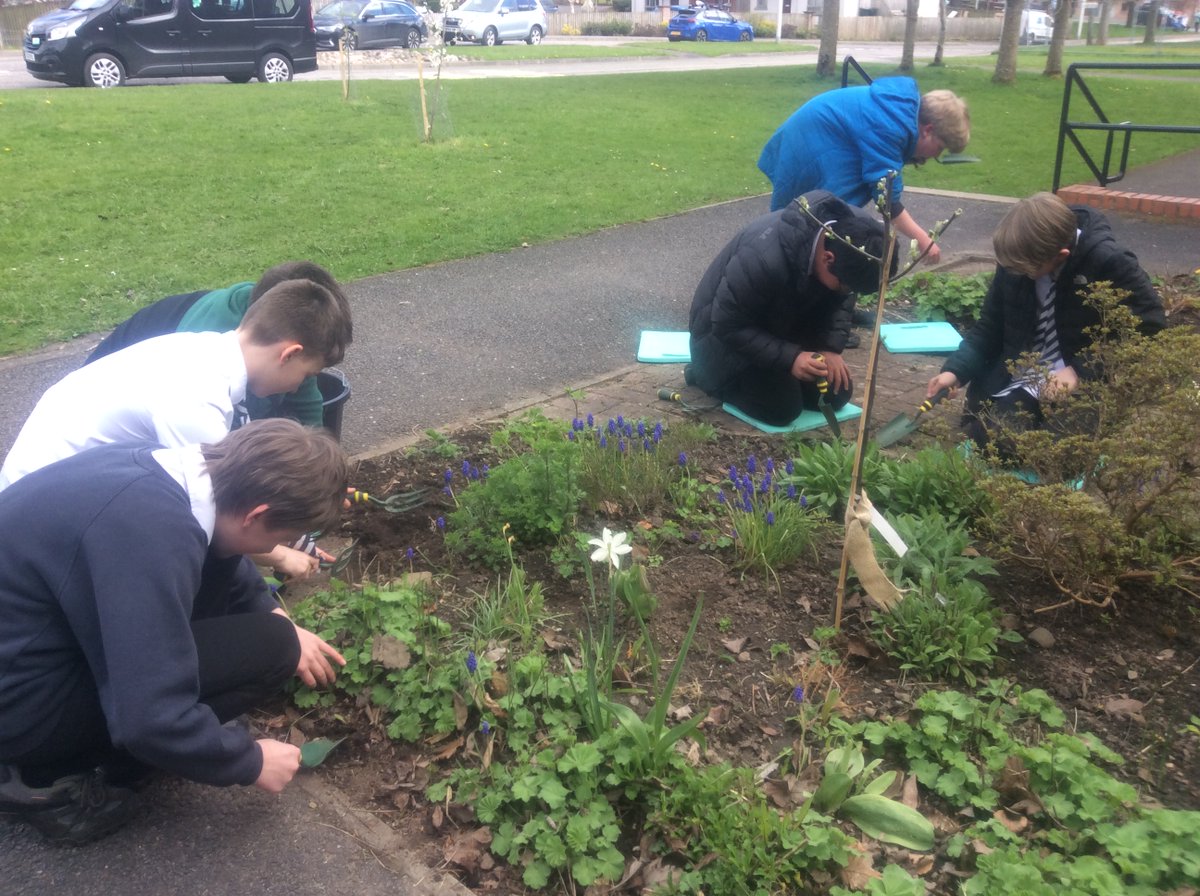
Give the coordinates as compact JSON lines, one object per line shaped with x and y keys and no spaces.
{"x":1144,"y":648}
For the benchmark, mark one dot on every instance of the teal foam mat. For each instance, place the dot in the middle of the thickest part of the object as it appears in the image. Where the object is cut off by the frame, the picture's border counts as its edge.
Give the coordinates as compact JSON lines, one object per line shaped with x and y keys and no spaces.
{"x":806,"y":421}
{"x":664,"y":347}
{"x":928,"y":337}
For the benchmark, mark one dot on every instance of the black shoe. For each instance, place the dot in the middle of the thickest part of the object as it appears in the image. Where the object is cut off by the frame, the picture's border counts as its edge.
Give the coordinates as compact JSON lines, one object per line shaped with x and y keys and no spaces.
{"x":852,"y":341}
{"x":863,"y":317}
{"x":73,"y":810}
{"x":689,"y":376}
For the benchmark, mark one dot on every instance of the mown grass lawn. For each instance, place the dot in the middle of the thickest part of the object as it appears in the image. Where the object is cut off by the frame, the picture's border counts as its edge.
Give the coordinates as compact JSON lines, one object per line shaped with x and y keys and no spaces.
{"x":113,"y":199}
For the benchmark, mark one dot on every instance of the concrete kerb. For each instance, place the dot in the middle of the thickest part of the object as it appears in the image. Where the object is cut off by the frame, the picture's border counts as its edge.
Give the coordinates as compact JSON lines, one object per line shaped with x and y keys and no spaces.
{"x":384,"y":843}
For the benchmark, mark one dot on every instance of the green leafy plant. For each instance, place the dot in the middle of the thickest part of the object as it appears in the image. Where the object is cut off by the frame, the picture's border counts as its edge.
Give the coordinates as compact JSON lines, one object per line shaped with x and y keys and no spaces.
{"x":820,"y":471}
{"x":952,"y":297}
{"x":398,"y":655}
{"x":515,"y":609}
{"x":933,"y":479}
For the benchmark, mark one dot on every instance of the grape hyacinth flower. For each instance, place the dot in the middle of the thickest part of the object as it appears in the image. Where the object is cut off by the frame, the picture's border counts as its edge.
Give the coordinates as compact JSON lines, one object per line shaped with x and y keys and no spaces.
{"x":441,"y":523}
{"x":751,"y":464}
{"x":798,"y":694}
{"x":485,"y":729}
{"x":770,"y":518}
{"x":472,"y":662}
{"x":682,"y":459}
{"x":789,"y":467}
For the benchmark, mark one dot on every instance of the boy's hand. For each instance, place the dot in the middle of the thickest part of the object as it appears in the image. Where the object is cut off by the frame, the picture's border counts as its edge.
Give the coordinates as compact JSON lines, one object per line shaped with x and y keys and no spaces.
{"x":944,"y":380}
{"x":280,"y":763}
{"x":289,"y":563}
{"x":810,"y":367}
{"x":317,"y":658}
{"x":838,"y":373}
{"x":1061,"y":383}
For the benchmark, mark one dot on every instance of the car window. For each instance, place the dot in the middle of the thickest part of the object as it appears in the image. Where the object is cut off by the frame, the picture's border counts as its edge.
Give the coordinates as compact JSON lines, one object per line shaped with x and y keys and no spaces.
{"x":407,"y":10}
{"x":477,"y":6}
{"x":509,"y":5}
{"x":138,"y":9}
{"x":82,"y":5}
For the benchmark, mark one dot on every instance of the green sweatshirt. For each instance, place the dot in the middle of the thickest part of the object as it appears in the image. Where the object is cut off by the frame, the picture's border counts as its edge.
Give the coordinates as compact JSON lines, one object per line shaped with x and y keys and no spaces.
{"x":222,"y":310}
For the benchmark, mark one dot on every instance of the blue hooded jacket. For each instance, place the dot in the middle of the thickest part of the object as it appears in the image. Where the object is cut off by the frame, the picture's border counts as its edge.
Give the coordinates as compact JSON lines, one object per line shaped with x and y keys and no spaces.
{"x":845,"y":141}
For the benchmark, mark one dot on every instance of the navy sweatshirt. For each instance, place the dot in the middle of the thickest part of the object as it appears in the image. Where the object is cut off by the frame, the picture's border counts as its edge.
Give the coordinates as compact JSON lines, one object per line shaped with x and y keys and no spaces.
{"x":104,"y":568}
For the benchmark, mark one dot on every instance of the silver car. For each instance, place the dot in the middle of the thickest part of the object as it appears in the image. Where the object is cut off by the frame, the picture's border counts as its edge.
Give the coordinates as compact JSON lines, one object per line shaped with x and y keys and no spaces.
{"x":491,"y":22}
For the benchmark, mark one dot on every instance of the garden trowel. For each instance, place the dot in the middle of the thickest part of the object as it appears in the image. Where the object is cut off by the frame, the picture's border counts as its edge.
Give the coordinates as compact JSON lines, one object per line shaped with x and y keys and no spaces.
{"x":903,"y":425}
{"x":823,"y":404}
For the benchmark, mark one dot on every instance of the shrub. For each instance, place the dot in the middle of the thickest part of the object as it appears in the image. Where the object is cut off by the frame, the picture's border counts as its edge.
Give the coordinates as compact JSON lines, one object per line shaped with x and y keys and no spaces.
{"x":608,"y":28}
{"x":1128,"y":437}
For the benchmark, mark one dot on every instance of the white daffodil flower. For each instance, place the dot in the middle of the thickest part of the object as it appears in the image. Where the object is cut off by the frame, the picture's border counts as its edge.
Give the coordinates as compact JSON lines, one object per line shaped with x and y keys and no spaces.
{"x":609,"y":547}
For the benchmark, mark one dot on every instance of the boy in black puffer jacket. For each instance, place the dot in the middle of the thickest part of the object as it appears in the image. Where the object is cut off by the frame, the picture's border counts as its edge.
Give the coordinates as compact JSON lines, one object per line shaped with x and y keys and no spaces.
{"x":772,"y":313}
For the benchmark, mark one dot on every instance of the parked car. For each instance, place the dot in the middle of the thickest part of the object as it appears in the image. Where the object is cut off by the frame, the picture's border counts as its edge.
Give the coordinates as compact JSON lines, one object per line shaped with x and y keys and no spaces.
{"x":491,"y":22}
{"x":364,"y":24}
{"x":706,"y":24}
{"x":100,"y":43}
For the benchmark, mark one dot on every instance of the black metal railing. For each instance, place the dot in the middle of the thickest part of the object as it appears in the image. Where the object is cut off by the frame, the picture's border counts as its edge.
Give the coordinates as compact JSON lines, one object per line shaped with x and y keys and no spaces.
{"x":1069,"y":129}
{"x":851,"y":63}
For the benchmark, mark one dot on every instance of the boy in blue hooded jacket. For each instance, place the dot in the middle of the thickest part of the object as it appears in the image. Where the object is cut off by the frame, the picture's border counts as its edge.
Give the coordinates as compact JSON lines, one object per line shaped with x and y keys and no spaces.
{"x":847,"y":140}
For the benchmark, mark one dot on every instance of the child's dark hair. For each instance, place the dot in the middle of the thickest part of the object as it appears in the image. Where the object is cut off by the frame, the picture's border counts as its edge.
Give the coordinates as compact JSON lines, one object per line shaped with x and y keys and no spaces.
{"x":295,"y":270}
{"x":299,"y":472}
{"x":854,"y":271}
{"x":305,"y":312}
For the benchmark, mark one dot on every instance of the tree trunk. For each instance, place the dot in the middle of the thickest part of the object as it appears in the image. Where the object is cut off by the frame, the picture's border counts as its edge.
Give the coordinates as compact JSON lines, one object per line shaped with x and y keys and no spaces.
{"x":910,"y":36}
{"x":1102,"y":29}
{"x":827,"y":64}
{"x":941,"y":43}
{"x":1010,"y":37}
{"x":1062,"y":26}
{"x":1151,"y":23}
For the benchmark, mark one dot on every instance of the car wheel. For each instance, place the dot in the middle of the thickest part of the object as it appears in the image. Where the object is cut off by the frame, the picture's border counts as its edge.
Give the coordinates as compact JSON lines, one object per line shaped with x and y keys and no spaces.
{"x":350,"y":39}
{"x":275,"y":68}
{"x":701,"y":35}
{"x":535,"y":35}
{"x":672,"y":40}
{"x":745,"y":36}
{"x":412,"y":40}
{"x":103,"y":70}
{"x":490,"y":38}
{"x":238,"y":79}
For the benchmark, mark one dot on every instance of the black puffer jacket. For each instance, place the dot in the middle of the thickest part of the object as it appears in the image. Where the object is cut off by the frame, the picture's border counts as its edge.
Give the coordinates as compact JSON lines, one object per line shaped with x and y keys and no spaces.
{"x":1007,"y":324}
{"x":758,"y":306}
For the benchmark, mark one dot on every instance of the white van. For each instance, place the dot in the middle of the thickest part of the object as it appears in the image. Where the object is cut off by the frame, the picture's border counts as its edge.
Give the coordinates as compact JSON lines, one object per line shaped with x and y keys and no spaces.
{"x":1036,"y":27}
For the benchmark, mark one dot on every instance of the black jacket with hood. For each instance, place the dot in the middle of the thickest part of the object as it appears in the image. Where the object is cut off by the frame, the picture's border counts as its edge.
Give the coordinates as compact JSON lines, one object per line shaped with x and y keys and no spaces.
{"x":1007,"y":324}
{"x":758,"y":304}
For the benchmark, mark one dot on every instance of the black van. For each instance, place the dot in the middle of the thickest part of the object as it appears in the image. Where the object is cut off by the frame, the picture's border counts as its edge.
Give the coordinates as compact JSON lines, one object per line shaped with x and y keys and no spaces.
{"x":100,"y":43}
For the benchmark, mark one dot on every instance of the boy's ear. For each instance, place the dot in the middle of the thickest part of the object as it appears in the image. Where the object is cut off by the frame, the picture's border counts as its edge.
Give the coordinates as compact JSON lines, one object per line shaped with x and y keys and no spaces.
{"x":254,"y":514}
{"x":291,"y":350}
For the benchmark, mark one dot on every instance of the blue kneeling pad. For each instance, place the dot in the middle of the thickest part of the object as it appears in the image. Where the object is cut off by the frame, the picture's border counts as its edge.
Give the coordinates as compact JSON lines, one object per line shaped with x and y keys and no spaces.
{"x":664,"y":347}
{"x":928,"y":337}
{"x":806,"y":421}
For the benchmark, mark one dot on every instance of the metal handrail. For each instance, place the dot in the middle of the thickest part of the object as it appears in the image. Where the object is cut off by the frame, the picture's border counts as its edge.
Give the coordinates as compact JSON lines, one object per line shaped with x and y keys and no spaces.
{"x":848,"y":63}
{"x":1067,"y":129}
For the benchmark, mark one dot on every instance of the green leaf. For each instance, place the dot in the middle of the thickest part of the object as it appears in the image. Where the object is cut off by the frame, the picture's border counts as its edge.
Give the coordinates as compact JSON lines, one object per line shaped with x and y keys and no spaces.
{"x":581,"y":758}
{"x":890,"y":821}
{"x":315,"y":751}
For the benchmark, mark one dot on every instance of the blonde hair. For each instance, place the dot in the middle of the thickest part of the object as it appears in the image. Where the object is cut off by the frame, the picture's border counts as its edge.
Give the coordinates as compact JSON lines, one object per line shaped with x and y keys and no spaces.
{"x":1033,"y":232}
{"x":949,"y":116}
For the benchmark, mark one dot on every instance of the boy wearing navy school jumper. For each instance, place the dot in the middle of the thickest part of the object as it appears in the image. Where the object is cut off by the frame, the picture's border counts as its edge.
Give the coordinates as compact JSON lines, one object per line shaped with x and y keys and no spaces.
{"x":1048,"y":255}
{"x":131,"y":628}
{"x":189,"y":388}
{"x":222,"y":310}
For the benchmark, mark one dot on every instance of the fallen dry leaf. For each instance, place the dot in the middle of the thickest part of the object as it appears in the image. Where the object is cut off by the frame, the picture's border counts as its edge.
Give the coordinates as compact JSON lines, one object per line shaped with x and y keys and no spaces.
{"x":1016,"y":824}
{"x":466,"y":849}
{"x":909,"y":794}
{"x":718,"y":715}
{"x":1125,"y":707}
{"x":859,"y":872}
{"x":390,"y":652}
{"x":734,"y":645}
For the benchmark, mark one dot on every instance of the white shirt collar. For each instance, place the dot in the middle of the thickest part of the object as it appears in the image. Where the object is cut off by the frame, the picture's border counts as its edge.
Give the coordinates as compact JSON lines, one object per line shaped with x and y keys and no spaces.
{"x":186,"y":466}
